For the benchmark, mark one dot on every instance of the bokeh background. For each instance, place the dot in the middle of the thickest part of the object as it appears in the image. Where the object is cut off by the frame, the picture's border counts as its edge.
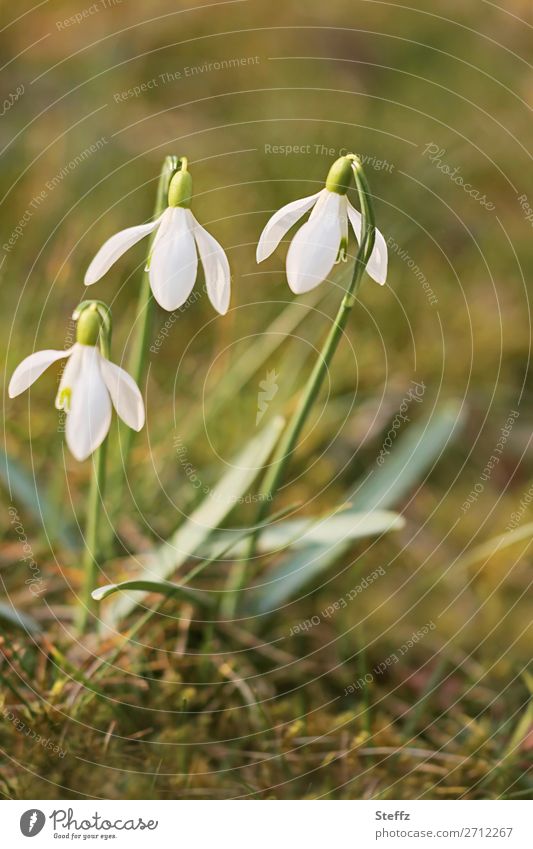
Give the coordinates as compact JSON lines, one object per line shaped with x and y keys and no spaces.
{"x":262,"y":97}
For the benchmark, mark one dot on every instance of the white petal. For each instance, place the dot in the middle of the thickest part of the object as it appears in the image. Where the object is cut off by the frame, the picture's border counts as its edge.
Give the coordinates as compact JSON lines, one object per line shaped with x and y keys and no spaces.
{"x":314,"y":249}
{"x":216,"y":268}
{"x":174,"y":262}
{"x":69,"y":377}
{"x":90,"y":411}
{"x":377,"y":264}
{"x":125,"y":394}
{"x":322,"y":199}
{"x":165,"y":225}
{"x":280,"y":223}
{"x":115,"y":247}
{"x":32,"y":367}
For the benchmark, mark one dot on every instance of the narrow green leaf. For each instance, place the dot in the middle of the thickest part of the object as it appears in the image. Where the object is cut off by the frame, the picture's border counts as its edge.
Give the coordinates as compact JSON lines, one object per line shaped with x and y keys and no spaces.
{"x":25,"y":490}
{"x":11,"y":617}
{"x":410,"y":457}
{"x":324,"y":530}
{"x":345,"y":526}
{"x":287,"y":579}
{"x":166,"y":588}
{"x":232,"y":486}
{"x":495,"y":545}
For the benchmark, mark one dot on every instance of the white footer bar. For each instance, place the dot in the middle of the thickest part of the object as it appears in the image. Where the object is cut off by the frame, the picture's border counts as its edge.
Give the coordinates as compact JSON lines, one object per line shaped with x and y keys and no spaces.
{"x":268,"y":824}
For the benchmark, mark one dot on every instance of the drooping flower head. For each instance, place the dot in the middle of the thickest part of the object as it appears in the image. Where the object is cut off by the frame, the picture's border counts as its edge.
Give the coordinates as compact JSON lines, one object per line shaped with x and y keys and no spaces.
{"x":89,"y":385}
{"x":323,"y":239}
{"x":173,"y":263}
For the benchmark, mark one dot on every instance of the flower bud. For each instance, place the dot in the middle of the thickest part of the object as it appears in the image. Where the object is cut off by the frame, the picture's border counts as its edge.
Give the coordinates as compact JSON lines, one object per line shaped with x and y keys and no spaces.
{"x":340,"y":175}
{"x":88,"y":327}
{"x":180,"y":189}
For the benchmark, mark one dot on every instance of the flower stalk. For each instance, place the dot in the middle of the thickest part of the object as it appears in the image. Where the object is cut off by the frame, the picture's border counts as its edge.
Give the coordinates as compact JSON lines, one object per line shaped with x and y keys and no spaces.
{"x":87,"y":314}
{"x":145,"y":306}
{"x":90,"y":386}
{"x":276,"y":472}
{"x":289,"y":439}
{"x":92,"y":548}
{"x":145,"y":310}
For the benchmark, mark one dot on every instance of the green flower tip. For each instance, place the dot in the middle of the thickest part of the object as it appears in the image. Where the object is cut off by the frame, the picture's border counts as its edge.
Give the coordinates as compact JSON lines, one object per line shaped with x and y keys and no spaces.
{"x":88,"y":327}
{"x":340,"y":175}
{"x":180,"y":189}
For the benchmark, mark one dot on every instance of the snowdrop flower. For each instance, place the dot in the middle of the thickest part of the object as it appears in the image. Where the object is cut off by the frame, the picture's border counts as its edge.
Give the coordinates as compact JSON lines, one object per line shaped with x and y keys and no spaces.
{"x":173,"y":262}
{"x":90,"y":383}
{"x":323,"y":239}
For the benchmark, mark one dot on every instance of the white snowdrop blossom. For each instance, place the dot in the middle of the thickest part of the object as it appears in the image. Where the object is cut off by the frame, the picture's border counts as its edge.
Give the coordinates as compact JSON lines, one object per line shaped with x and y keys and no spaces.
{"x":89,"y":385}
{"x":173,"y":263}
{"x":323,"y":239}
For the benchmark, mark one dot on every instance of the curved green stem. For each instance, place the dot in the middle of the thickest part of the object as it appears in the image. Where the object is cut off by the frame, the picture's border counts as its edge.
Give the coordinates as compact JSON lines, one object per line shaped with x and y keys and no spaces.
{"x":287,"y":443}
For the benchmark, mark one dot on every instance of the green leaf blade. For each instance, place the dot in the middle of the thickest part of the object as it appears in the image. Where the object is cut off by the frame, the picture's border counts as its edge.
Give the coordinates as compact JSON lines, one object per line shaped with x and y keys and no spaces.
{"x":186,"y":541}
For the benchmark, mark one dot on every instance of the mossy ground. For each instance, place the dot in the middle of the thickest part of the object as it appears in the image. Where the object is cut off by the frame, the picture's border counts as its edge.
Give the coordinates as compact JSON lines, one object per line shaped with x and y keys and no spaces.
{"x":250,"y":709}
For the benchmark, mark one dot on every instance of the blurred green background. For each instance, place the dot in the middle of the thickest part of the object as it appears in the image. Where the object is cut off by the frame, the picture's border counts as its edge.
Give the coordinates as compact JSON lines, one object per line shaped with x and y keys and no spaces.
{"x":262,"y":98}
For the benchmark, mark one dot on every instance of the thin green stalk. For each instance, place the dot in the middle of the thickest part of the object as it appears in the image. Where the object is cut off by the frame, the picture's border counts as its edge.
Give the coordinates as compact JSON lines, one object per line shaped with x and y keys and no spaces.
{"x":288,"y":441}
{"x":145,"y":304}
{"x":363,"y":670}
{"x":414,"y":715}
{"x":91,"y":553}
{"x":287,"y":444}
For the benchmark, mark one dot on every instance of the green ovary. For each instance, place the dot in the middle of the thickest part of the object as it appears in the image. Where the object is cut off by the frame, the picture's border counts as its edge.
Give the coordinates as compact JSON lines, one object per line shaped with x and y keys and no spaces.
{"x":64,"y":398}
